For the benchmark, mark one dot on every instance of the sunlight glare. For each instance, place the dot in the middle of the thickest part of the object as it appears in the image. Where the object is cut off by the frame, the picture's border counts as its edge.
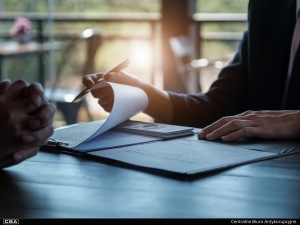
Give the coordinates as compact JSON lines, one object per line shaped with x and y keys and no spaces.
{"x":199,"y":63}
{"x":219,"y":65}
{"x":141,"y":54}
{"x":87,"y":33}
{"x":69,"y":97}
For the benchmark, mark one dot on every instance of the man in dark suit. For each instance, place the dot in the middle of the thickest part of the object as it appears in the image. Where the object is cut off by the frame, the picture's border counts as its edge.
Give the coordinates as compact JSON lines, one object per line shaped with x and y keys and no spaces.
{"x":264,"y":75}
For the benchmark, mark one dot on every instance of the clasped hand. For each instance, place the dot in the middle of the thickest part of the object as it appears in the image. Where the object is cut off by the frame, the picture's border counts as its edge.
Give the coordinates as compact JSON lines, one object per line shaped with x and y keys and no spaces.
{"x":25,"y":119}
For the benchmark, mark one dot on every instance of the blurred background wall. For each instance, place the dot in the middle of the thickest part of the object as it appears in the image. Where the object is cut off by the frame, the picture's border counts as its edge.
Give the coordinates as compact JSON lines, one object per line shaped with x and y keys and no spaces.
{"x":136,"y":29}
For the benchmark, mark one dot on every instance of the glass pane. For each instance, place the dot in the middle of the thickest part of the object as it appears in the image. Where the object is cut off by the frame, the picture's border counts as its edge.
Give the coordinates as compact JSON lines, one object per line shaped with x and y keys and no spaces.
{"x":84,"y":6}
{"x":120,"y":40}
{"x":222,"y":6}
{"x":220,"y":40}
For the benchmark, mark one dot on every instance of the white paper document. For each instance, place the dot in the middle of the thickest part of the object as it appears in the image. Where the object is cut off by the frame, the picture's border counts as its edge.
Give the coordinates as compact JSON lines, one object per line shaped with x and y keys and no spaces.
{"x":183,"y":156}
{"x":128,"y":101}
{"x":111,"y":139}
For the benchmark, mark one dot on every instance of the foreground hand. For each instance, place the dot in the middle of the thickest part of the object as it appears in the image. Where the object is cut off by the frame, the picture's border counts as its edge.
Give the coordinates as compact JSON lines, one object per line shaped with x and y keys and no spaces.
{"x":26,"y":118}
{"x":261,"y":124}
{"x":105,"y":95}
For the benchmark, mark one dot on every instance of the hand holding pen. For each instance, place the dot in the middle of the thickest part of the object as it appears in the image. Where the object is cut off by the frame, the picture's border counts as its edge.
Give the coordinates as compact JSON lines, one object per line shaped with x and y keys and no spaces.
{"x":99,"y":78}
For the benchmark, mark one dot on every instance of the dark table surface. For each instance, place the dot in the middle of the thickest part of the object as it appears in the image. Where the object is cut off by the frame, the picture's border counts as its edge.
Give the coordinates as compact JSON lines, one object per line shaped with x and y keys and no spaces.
{"x":60,"y":185}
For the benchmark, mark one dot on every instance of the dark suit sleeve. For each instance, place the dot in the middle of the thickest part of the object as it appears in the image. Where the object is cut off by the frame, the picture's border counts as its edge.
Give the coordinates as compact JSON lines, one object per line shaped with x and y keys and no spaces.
{"x":227,"y":96}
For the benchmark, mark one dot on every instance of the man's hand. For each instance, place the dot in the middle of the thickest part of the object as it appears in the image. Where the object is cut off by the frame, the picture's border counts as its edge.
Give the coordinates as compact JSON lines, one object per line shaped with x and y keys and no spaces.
{"x":159,"y":107}
{"x":261,"y":124}
{"x":26,"y":117}
{"x":105,"y":95}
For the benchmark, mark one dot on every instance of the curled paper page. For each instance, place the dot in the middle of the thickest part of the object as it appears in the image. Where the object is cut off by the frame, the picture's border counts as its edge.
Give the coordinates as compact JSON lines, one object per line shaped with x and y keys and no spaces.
{"x":128,"y":101}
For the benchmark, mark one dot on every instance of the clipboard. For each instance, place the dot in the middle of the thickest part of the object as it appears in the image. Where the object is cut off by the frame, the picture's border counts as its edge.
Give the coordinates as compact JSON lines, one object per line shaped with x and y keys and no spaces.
{"x":143,"y":156}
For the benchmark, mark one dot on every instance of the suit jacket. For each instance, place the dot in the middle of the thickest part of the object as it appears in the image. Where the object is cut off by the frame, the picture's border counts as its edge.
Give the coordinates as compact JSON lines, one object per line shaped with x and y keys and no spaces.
{"x":255,"y":78}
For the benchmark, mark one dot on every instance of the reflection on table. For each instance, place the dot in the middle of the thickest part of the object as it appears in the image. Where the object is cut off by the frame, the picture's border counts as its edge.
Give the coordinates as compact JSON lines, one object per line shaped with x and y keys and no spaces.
{"x":59,"y":185}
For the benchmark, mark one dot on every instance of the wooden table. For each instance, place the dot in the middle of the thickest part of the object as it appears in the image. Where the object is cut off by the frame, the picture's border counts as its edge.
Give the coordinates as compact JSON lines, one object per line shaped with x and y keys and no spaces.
{"x":60,"y":185}
{"x":9,"y":49}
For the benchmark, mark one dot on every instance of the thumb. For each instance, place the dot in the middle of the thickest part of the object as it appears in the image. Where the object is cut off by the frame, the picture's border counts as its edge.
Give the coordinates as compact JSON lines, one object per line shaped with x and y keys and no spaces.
{"x":115,"y":77}
{"x":123,"y":78}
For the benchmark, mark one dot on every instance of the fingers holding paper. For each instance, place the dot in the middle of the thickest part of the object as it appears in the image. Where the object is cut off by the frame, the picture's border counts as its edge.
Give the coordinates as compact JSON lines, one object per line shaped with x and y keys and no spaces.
{"x":115,"y":77}
{"x":90,"y":80}
{"x":106,"y":95}
{"x":107,"y":102}
{"x":159,"y":107}
{"x":261,"y":124}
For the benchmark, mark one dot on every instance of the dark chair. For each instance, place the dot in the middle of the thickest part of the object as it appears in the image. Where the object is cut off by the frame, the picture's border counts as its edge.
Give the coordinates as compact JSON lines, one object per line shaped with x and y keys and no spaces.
{"x":70,"y":71}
